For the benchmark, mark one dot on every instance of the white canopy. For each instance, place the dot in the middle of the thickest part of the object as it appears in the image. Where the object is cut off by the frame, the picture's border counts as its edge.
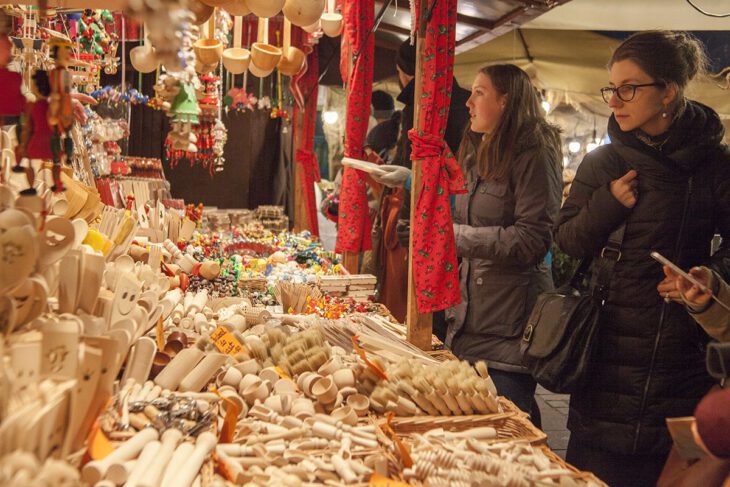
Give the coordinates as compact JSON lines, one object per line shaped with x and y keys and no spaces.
{"x":633,"y":15}
{"x":570,"y":65}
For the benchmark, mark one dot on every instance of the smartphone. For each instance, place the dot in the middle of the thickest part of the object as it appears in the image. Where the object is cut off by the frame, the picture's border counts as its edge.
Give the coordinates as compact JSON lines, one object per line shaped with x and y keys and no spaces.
{"x":664,"y":261}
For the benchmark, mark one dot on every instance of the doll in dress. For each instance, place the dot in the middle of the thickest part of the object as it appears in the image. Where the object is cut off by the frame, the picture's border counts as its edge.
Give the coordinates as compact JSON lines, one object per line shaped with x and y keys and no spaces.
{"x":35,"y":139}
{"x":60,"y":110}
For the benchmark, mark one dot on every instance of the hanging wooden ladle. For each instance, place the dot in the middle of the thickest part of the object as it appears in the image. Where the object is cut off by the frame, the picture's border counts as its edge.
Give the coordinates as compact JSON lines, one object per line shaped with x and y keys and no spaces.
{"x":264,"y":56}
{"x":236,"y":59}
{"x":143,"y":57}
{"x":331,"y":20}
{"x":292,"y":58}
{"x":303,"y":12}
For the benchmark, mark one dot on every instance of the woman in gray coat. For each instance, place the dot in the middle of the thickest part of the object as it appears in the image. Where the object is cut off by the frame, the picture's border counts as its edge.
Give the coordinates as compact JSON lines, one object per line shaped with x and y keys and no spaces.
{"x":511,"y":158}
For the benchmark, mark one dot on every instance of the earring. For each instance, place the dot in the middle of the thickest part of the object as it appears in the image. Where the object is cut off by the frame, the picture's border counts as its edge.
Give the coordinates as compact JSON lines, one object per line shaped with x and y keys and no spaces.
{"x":664,"y":113}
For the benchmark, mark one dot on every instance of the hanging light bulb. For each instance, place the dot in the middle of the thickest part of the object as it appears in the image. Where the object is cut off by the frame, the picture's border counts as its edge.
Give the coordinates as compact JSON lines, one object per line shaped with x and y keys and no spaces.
{"x":545,"y":106}
{"x":595,"y":141}
{"x":574,"y":146}
{"x":330,"y":117}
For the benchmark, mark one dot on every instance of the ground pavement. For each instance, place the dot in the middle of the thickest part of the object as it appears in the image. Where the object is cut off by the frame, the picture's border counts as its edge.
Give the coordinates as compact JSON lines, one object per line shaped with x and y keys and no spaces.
{"x":554,"y":410}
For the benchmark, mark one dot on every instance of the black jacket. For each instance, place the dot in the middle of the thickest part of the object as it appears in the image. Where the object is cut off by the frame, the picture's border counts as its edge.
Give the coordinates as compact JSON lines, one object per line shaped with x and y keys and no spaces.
{"x":650,"y":360}
{"x":458,"y":118}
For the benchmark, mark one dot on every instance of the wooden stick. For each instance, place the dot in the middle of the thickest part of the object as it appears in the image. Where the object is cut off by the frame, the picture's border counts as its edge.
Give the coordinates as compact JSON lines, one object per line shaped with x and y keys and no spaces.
{"x":237,"y":30}
{"x":419,"y":325}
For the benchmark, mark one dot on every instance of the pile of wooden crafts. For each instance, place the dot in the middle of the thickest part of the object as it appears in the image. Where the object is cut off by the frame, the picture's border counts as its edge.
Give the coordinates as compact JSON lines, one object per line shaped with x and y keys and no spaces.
{"x":112,"y":374}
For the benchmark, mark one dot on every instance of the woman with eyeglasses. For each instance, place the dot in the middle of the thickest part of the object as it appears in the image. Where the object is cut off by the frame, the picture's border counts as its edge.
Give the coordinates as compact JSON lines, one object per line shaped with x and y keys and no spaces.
{"x":666,"y":175}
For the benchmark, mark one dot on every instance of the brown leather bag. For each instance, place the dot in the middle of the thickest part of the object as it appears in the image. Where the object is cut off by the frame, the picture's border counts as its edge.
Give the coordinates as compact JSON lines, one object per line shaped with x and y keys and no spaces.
{"x":392,"y":258}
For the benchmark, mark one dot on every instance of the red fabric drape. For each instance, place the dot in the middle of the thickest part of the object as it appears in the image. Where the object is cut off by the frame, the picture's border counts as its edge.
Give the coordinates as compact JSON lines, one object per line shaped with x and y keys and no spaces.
{"x":353,"y":233}
{"x":436,"y":273}
{"x":306,"y":83}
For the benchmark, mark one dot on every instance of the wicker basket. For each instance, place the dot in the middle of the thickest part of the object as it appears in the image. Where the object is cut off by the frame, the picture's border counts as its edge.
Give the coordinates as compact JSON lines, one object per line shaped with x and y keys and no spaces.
{"x":253,"y":284}
{"x":269,"y":211}
{"x":276,"y":225}
{"x":509,"y":426}
{"x":554,"y":458}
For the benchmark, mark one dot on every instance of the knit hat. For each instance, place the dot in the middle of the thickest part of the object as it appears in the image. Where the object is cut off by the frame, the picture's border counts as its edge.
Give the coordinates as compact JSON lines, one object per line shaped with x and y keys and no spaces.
{"x":383,"y":104}
{"x":406,"y":58}
{"x":712,"y":418}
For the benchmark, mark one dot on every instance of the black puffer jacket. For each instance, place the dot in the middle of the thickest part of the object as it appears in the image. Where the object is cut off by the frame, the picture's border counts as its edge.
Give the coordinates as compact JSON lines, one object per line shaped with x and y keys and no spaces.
{"x":650,"y":362}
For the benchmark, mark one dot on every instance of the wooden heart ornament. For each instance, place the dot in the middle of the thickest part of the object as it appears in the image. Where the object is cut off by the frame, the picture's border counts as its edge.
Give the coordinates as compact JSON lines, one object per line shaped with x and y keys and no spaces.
{"x":30,"y":299}
{"x":18,"y":256}
{"x":55,"y":242}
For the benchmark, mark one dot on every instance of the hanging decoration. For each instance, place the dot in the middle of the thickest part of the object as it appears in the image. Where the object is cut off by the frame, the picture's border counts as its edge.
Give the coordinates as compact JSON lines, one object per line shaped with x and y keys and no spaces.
{"x":434,"y":250}
{"x":353,"y":234}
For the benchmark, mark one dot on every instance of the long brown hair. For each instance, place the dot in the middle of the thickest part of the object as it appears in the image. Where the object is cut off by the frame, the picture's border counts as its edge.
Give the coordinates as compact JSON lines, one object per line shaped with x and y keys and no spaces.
{"x":494,"y":152}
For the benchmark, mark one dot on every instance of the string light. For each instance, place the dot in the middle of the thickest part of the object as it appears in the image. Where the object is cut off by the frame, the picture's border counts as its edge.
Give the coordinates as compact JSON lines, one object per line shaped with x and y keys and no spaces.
{"x":330,"y":117}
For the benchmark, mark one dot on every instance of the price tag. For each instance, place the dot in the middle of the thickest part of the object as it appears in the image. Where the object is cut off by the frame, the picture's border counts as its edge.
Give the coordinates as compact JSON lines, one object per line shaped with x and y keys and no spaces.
{"x":225,"y":342}
{"x":160,"y":331}
{"x":282,"y":374}
{"x":377,"y":480}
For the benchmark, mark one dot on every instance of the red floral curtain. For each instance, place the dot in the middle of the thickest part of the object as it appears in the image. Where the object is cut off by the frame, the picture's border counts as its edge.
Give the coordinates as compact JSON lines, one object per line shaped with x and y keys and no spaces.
{"x":353,"y":234}
{"x":306,"y":83}
{"x":436,"y":273}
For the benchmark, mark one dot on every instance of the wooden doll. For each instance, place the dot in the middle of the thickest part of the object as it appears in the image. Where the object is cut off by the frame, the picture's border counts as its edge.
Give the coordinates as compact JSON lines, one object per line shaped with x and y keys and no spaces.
{"x":35,"y":139}
{"x":60,"y":110}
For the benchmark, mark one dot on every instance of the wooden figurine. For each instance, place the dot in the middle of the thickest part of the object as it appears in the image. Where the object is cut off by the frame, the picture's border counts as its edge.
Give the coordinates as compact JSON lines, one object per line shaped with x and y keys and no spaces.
{"x":60,"y":110}
{"x":35,"y":139}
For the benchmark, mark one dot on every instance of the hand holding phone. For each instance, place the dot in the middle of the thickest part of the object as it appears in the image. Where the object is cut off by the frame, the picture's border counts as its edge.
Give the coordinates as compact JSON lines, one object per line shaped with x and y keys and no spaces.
{"x":677,"y":270}
{"x":700,"y":296}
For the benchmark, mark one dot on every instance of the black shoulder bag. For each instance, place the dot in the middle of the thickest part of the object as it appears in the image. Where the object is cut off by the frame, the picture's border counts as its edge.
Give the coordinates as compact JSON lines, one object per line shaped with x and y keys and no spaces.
{"x":562,"y":330}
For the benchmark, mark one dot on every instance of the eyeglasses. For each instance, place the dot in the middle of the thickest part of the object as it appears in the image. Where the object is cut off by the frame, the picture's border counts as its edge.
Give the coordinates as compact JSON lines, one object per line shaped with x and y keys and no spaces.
{"x":624,"y":92}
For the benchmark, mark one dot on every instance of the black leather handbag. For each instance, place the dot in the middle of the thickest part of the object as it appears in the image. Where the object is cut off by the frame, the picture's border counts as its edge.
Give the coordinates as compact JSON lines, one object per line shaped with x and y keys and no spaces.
{"x":560,"y":336}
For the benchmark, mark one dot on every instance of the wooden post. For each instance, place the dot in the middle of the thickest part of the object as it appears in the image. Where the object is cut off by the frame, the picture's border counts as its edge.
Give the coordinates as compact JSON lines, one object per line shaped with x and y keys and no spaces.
{"x":419,"y":326}
{"x":301,"y":218}
{"x":351,"y":260}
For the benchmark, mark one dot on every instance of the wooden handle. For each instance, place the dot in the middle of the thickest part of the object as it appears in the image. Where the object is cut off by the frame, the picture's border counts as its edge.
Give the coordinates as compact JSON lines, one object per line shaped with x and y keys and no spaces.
{"x":211,"y":25}
{"x":287,"y":35}
{"x":260,"y":36}
{"x":237,"y":30}
{"x":266,"y":31}
{"x":146,"y":37}
{"x":331,"y":6}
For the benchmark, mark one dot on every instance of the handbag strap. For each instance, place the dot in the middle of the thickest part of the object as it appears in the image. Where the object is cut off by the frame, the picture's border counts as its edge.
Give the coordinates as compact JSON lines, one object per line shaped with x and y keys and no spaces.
{"x":603,"y":269}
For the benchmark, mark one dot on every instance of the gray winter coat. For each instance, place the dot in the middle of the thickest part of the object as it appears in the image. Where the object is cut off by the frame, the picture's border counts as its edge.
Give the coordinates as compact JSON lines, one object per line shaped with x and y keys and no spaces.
{"x":503,"y":231}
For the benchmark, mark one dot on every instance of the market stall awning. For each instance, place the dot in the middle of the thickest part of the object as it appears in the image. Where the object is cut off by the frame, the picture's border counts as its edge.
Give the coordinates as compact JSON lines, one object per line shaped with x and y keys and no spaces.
{"x":630,"y":15}
{"x":570,"y":65}
{"x":477,"y":21}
